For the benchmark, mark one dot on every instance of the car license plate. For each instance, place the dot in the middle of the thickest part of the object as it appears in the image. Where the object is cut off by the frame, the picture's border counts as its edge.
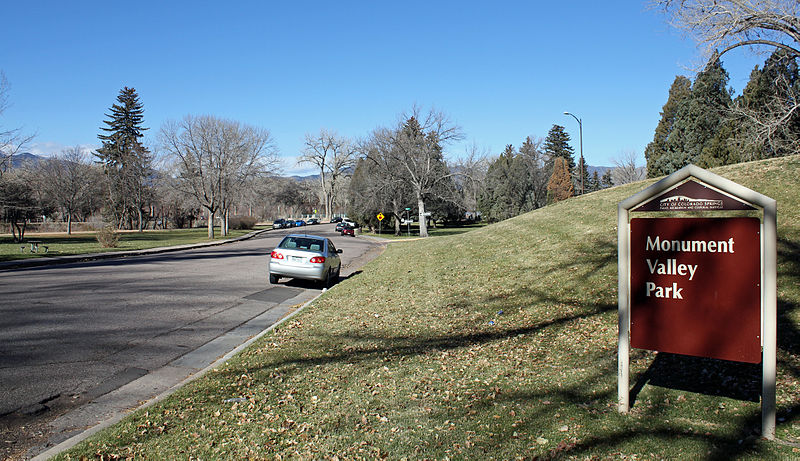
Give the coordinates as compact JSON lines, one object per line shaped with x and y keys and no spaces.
{"x":298,"y":259}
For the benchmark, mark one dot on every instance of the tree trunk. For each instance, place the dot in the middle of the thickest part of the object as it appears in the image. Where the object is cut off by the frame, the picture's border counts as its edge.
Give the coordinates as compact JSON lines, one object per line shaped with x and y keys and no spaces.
{"x":423,"y":225}
{"x":210,"y":224}
{"x":69,"y":223}
{"x":397,"y":217}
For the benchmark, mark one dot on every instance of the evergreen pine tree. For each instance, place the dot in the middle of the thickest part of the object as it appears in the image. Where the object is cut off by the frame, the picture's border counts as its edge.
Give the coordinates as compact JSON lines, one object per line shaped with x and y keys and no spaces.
{"x":582,"y":167}
{"x":556,"y":144}
{"x":698,"y":122}
{"x":679,"y":93}
{"x":495,"y":203}
{"x":606,"y":181}
{"x":125,"y":160}
{"x":594,"y":182}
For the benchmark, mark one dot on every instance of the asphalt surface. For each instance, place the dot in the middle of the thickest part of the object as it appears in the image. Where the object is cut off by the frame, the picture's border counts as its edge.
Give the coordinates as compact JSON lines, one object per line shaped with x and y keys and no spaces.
{"x":82,"y":343}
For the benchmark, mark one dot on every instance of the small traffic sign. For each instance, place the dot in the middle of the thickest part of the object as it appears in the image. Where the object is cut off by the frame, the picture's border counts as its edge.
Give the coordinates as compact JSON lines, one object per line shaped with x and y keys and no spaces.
{"x":380,"y":216}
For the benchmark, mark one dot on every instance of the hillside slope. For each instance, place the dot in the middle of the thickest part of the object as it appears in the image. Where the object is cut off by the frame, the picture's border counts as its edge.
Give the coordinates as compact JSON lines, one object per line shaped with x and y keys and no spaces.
{"x":499,"y":343}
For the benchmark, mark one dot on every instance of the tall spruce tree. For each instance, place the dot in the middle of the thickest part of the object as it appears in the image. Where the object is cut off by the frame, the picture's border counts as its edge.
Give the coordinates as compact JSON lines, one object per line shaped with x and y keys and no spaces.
{"x":584,"y":170}
{"x":679,"y":93}
{"x":594,"y":182}
{"x":697,"y":124}
{"x":556,"y":144}
{"x":126,"y":161}
{"x":495,"y":202}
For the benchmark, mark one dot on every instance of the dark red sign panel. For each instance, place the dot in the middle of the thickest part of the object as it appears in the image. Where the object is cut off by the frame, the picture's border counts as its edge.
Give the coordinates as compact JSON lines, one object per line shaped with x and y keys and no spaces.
{"x":693,"y":195}
{"x":695,"y":286}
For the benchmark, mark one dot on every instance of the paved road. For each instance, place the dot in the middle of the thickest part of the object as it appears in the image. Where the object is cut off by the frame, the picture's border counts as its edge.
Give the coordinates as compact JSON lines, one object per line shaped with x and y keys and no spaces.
{"x":70,"y":334}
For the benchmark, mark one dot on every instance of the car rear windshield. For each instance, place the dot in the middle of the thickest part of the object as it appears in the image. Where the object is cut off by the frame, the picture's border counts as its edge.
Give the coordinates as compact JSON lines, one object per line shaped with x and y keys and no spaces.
{"x":302,"y":243}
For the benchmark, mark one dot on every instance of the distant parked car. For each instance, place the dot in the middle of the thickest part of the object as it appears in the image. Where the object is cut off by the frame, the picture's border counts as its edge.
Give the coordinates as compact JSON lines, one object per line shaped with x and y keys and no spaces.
{"x":336,"y":219}
{"x":278,"y":224}
{"x":339,"y":226}
{"x":313,"y":221}
{"x":299,"y":223}
{"x":349,"y":229}
{"x":288,"y":223}
{"x":308,"y":257}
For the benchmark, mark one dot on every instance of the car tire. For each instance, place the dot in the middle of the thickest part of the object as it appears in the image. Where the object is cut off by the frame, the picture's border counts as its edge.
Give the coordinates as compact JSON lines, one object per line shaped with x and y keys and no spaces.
{"x":273,"y":279}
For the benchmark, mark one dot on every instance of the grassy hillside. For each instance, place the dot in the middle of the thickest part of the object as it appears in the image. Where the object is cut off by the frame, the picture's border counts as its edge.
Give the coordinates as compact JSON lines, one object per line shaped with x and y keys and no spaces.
{"x":499,"y":343}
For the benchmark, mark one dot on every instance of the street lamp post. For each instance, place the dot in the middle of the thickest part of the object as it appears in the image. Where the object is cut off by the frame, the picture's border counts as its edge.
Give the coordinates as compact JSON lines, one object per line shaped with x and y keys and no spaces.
{"x":581,"y":166}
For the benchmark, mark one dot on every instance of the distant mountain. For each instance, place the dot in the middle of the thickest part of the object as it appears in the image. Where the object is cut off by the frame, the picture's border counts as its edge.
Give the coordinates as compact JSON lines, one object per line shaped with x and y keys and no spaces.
{"x":601,"y":170}
{"x":313,"y":177}
{"x":18,"y":160}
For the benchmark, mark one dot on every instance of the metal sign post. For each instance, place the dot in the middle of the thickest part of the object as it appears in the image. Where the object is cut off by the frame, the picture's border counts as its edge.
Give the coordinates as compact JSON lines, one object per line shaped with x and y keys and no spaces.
{"x":697,"y":276}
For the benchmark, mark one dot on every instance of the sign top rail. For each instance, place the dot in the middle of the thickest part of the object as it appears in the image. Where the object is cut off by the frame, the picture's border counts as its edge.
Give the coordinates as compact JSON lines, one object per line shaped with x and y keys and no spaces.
{"x":702,"y":193}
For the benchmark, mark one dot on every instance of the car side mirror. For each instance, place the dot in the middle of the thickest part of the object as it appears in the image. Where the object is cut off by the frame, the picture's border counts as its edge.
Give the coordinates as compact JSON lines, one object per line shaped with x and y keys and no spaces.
{"x":338,"y":250}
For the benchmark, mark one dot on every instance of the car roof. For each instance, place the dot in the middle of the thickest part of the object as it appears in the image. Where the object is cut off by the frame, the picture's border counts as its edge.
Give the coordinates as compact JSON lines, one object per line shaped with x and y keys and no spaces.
{"x":306,"y":235}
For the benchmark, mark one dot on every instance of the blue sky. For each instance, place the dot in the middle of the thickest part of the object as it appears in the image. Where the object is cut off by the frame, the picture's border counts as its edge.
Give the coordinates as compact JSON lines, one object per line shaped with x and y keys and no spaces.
{"x":501,"y":70}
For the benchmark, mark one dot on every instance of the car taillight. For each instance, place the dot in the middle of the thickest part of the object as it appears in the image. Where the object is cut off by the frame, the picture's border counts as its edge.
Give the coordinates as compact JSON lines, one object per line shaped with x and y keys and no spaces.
{"x":317,"y":260}
{"x":276,"y":255}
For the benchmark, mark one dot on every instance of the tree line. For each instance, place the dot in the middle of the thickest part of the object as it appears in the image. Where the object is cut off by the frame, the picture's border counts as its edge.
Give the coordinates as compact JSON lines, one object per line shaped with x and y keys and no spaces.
{"x":211,"y":169}
{"x":205,"y":167}
{"x":401,"y":172}
{"x":702,"y":121}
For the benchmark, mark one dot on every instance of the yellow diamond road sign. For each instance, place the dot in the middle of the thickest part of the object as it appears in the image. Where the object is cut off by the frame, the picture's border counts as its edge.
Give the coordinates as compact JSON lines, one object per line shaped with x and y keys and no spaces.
{"x":380,"y":216}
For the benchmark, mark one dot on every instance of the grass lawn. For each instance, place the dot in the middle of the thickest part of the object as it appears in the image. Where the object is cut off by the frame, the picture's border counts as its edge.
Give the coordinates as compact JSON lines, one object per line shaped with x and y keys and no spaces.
{"x":84,"y":243}
{"x":495,"y":344}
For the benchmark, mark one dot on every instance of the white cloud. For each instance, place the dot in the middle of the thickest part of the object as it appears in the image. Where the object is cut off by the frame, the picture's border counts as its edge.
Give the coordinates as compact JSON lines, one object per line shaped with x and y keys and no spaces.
{"x":50,"y":148}
{"x":290,"y":167}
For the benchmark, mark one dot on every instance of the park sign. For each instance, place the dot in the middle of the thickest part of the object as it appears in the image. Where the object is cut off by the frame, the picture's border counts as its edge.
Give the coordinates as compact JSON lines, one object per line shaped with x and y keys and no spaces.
{"x":697,"y":276}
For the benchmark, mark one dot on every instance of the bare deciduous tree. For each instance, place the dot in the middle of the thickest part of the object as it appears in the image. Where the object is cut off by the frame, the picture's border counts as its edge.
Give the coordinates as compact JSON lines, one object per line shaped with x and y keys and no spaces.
{"x":68,"y":181}
{"x":417,"y":147}
{"x":625,"y":169}
{"x":470,"y":176}
{"x":377,"y":184}
{"x":334,"y":156}
{"x":12,"y":140}
{"x":213,"y":159}
{"x":722,"y":25}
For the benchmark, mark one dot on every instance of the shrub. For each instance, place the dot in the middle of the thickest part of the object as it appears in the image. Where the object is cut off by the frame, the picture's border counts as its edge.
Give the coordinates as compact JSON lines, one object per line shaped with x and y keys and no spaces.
{"x":108,"y":237}
{"x":241,"y":222}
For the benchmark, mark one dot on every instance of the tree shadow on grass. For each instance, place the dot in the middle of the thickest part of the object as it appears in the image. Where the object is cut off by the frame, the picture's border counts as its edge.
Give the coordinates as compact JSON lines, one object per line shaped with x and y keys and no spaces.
{"x":703,"y":376}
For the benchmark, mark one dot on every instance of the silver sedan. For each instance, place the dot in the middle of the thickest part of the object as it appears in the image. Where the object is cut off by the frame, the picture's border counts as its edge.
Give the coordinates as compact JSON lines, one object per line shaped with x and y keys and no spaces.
{"x":308,"y":257}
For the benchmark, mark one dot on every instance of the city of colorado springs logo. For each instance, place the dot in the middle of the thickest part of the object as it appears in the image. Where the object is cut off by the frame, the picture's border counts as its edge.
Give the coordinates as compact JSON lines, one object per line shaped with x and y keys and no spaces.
{"x":682,"y":202}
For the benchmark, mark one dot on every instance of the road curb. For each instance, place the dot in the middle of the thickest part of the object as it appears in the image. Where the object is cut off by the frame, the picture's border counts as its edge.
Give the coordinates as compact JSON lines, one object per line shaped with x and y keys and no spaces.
{"x":76,"y":439}
{"x":58,"y":260}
